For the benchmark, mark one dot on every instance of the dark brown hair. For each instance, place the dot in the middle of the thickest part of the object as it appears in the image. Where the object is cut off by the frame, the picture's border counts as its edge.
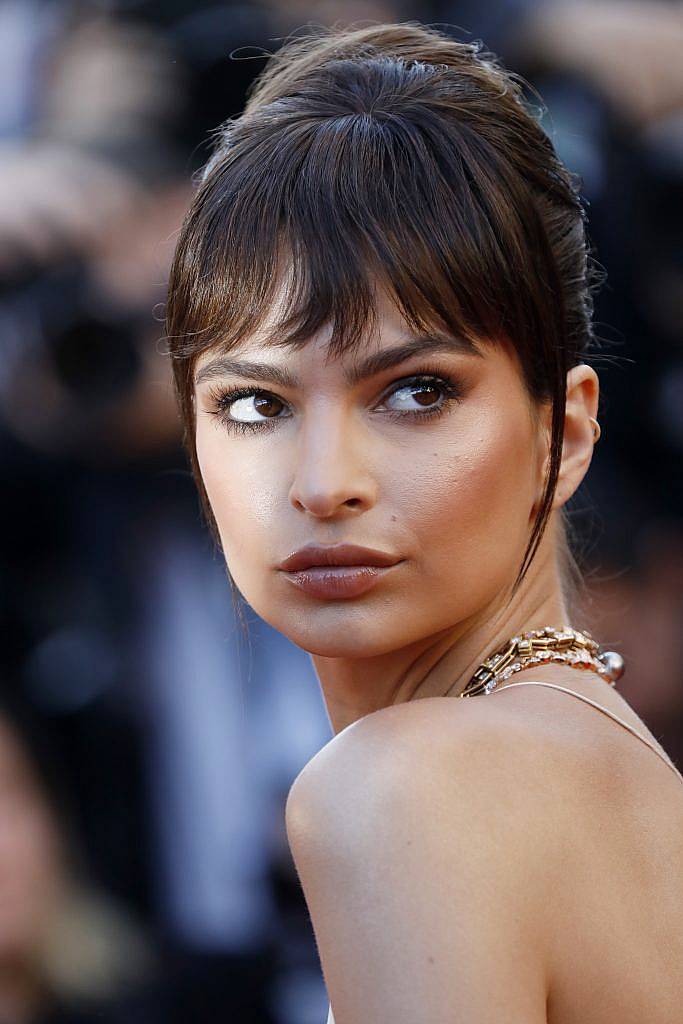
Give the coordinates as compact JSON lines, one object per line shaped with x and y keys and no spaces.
{"x":396,"y":153}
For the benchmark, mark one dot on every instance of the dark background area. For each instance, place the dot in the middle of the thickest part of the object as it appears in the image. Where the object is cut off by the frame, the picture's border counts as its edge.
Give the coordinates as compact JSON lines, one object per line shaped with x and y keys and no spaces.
{"x":146,"y":743}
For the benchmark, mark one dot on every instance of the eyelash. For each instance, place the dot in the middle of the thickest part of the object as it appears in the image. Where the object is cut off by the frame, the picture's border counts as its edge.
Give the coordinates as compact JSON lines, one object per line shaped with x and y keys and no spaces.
{"x":222,"y":398}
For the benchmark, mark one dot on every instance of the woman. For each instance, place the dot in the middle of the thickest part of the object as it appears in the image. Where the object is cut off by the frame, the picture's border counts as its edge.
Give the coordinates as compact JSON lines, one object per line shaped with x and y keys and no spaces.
{"x":379,"y":310}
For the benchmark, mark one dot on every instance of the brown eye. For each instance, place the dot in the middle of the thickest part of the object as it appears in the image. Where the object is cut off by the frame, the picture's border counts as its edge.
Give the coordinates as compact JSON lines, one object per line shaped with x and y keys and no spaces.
{"x":256,"y":406}
{"x":268,"y":405}
{"x":424,"y":394}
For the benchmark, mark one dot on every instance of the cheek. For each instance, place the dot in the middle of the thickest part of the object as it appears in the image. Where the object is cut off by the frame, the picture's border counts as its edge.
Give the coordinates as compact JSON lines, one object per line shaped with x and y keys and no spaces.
{"x":469,"y":497}
{"x":244,"y":491}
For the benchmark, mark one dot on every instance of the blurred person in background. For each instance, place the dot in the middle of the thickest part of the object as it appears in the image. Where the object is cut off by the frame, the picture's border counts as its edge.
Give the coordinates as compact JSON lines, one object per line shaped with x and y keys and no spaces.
{"x":89,"y":190}
{"x":68,"y":953}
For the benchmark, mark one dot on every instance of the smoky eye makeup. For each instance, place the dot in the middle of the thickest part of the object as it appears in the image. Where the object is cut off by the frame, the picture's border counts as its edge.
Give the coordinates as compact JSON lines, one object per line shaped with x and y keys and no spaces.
{"x":245,"y":409}
{"x":417,"y":398}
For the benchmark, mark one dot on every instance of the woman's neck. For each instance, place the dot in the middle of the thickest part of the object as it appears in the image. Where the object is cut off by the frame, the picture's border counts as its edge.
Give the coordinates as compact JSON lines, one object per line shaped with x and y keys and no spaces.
{"x":440,"y":665}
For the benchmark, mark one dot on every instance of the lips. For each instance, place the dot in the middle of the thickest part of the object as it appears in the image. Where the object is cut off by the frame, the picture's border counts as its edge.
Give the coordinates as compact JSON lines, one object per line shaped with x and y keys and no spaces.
{"x":336,"y":554}
{"x":337,"y":571}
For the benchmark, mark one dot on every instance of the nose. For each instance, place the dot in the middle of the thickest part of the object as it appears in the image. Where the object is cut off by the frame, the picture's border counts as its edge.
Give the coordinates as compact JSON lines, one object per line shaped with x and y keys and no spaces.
{"x":332,"y":474}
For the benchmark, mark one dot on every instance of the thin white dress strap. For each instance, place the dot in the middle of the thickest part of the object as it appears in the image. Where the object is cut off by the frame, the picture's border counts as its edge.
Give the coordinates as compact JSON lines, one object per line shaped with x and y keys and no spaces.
{"x":611,"y":714}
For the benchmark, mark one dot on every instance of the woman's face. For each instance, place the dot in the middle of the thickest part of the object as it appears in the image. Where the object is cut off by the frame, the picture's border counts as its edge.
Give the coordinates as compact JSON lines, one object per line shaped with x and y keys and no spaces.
{"x":434,"y":459}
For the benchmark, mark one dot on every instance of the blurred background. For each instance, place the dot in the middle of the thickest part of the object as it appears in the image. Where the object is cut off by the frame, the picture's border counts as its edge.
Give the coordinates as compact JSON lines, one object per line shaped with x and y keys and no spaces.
{"x":147,"y":743}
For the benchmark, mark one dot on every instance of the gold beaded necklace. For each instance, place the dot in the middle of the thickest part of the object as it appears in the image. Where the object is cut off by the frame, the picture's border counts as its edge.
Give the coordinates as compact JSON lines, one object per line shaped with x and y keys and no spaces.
{"x":568,"y":646}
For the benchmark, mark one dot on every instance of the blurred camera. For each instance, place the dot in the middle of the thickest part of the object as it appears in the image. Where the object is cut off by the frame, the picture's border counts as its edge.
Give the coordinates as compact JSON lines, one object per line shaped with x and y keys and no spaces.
{"x":58,"y":316}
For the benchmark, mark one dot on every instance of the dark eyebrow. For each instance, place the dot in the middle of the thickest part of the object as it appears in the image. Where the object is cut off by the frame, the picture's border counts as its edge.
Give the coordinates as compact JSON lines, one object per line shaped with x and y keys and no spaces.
{"x":224,"y":366}
{"x":418,"y":346}
{"x":368,"y":367}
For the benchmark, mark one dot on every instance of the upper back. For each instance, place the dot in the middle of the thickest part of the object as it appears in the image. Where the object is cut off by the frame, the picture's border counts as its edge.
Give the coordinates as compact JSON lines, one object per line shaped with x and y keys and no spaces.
{"x":548,"y":807}
{"x":615,"y":924}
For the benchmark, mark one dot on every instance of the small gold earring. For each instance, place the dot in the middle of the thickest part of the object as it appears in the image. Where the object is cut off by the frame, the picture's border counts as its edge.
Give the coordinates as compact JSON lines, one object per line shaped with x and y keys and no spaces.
{"x":596,"y":429}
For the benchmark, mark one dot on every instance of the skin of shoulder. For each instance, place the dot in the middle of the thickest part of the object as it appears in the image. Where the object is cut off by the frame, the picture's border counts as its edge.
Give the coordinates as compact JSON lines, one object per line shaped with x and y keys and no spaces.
{"x":421,"y":835}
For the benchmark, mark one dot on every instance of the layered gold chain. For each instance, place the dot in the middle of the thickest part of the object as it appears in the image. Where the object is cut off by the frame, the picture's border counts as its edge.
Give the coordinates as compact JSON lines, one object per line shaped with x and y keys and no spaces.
{"x":572,"y":647}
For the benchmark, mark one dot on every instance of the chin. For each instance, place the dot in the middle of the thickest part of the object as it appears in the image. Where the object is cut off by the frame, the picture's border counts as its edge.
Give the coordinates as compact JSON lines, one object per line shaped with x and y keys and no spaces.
{"x":341,"y":630}
{"x":341,"y":647}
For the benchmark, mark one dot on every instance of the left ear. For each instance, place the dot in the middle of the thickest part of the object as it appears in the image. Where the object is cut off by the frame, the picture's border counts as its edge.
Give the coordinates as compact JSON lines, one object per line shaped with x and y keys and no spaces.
{"x":583,"y":392}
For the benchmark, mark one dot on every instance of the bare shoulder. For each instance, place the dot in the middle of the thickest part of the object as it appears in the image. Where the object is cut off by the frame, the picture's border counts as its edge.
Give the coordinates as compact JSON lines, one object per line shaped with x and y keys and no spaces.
{"x":423,"y":865}
{"x":469,"y":859}
{"x":436,"y":748}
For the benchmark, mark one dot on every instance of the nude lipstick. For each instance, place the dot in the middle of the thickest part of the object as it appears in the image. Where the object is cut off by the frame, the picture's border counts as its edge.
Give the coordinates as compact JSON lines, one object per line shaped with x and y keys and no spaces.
{"x":337,"y":571}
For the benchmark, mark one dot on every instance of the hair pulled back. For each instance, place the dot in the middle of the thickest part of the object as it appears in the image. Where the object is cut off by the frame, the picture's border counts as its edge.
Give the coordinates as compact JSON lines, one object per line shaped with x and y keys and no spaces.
{"x":398,"y":152}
